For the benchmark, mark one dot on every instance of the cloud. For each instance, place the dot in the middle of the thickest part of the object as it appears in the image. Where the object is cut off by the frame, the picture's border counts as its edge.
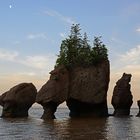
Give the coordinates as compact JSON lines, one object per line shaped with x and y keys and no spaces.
{"x":36,"y":36}
{"x":39,"y":61}
{"x":42,"y":62}
{"x":35,"y":69}
{"x":129,"y":62}
{"x":138,"y":30}
{"x":12,"y":79}
{"x":61,"y":17}
{"x":8,"y":55}
{"x":132,"y":56}
{"x":27,"y":74}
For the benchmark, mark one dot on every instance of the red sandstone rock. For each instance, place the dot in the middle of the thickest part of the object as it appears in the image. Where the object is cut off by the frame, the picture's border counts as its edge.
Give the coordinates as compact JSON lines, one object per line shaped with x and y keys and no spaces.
{"x":84,"y":90}
{"x":18,"y":100}
{"x":88,"y":90}
{"x":122,"y":97}
{"x":54,"y":92}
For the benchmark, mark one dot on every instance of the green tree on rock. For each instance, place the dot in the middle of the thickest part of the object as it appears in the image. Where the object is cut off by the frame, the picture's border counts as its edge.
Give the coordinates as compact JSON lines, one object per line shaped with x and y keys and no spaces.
{"x":76,"y":51}
{"x":84,"y":52}
{"x":99,"y":51}
{"x":69,"y":47}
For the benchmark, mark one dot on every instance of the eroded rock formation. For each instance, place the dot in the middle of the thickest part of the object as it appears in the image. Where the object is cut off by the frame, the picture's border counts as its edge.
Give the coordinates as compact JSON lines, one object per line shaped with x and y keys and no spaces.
{"x":54,"y":92}
{"x":138,"y":103}
{"x":88,"y":90}
{"x":84,"y":90}
{"x":17,"y":101}
{"x":122,"y":97}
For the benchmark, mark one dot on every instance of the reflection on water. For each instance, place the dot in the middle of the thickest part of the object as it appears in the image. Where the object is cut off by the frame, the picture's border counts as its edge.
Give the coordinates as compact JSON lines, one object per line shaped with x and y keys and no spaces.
{"x":75,"y":129}
{"x":64,"y":128}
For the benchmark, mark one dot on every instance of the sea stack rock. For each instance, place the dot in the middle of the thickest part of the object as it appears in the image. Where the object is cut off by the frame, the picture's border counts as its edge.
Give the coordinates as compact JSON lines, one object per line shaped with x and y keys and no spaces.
{"x":83,"y":88}
{"x":81,"y":78}
{"x":17,"y":101}
{"x":88,"y":90}
{"x":54,"y":92}
{"x":122,"y":97}
{"x":138,"y":103}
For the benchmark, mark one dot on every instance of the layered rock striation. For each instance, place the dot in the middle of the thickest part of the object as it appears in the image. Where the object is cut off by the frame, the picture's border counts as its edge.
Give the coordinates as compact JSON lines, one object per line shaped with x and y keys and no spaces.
{"x":122,"y":97}
{"x":17,"y":101}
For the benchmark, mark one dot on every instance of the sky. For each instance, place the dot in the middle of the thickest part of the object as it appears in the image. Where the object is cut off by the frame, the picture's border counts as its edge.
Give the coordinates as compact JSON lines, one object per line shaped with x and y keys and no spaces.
{"x":31,"y":33}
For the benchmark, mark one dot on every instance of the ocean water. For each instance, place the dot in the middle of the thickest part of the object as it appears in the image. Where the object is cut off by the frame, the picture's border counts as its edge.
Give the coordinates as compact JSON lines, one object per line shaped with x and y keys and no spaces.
{"x":65,"y":128}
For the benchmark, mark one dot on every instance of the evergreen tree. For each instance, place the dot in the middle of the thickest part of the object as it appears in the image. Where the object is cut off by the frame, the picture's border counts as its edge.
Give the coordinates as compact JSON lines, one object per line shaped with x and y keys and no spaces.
{"x":69,"y":47}
{"x":84,"y":51}
{"x":99,"y":51}
{"x":76,"y":51}
{"x":62,"y":57}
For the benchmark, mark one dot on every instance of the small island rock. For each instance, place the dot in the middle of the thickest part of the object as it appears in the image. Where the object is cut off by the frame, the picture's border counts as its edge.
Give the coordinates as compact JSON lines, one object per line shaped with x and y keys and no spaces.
{"x":17,"y":101}
{"x":83,"y":89}
{"x":81,"y":77}
{"x":122,"y":97}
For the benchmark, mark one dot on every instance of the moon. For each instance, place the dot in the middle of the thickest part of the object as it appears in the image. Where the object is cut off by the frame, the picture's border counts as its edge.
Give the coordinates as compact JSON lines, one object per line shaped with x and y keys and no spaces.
{"x":10,"y":6}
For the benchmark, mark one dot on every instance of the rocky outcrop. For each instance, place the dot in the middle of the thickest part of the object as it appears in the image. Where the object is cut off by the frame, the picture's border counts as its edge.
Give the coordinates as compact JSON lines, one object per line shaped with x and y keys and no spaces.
{"x":83,"y":88}
{"x":122,"y":97}
{"x":54,"y":92}
{"x":17,"y":101}
{"x":138,"y":103}
{"x":88,"y":90}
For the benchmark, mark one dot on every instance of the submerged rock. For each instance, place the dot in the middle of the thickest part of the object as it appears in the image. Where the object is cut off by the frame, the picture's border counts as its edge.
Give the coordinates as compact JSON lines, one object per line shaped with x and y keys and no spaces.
{"x":138,"y":103}
{"x":17,"y":101}
{"x":88,"y":90}
{"x":122,"y":97}
{"x":54,"y":92}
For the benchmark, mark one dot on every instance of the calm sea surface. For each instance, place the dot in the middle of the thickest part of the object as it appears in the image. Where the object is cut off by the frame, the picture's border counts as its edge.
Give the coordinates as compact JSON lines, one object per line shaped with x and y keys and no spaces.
{"x":64,"y":128}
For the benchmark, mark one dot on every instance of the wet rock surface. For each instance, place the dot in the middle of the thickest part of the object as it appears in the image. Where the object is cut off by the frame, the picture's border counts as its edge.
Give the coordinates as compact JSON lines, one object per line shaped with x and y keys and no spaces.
{"x":54,"y":92}
{"x":138,"y":103}
{"x":17,"y":101}
{"x":82,"y":109}
{"x":88,"y":90}
{"x":84,"y":90}
{"x":122,"y":97}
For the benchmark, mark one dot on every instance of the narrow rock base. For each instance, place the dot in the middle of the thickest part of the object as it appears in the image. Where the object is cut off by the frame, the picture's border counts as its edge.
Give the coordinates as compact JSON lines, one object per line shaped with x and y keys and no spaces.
{"x":138,"y":115}
{"x":121,"y":112}
{"x":14,"y":111}
{"x":81,"y":109}
{"x":49,"y":110}
{"x":138,"y":103}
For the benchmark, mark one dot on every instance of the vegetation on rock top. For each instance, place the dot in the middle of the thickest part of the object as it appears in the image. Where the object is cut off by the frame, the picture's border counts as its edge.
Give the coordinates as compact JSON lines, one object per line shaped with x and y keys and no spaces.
{"x":75,"y":50}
